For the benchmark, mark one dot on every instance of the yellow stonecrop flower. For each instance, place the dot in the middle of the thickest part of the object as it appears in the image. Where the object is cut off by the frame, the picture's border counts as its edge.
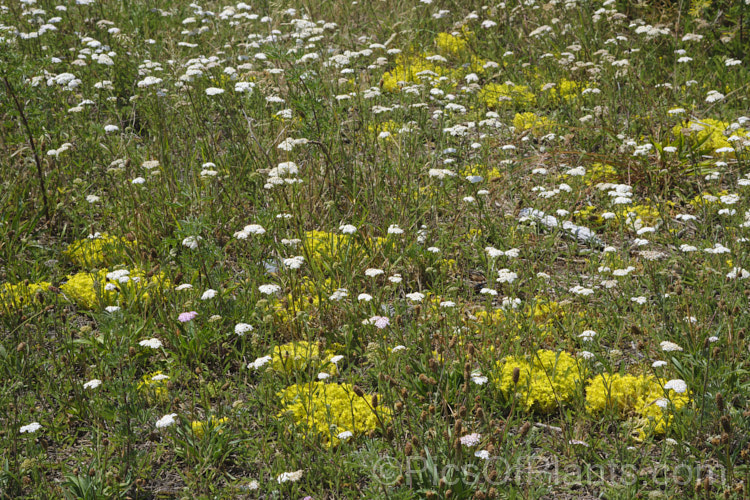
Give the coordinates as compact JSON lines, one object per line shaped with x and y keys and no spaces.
{"x":475,"y":65}
{"x":220,"y":81}
{"x":500,"y":94}
{"x":388,"y":126}
{"x":698,"y":7}
{"x":91,"y":290}
{"x":199,"y":428}
{"x":546,"y":379}
{"x":154,"y":386}
{"x":447,"y":265}
{"x":16,"y":296}
{"x":492,"y":317}
{"x":708,"y":132}
{"x":488,"y":173}
{"x":530,"y":121}
{"x":588,"y":215}
{"x":330,"y":409}
{"x":640,"y":396}
{"x":301,"y":355}
{"x":329,"y":247}
{"x":545,"y":310}
{"x":409,"y":69}
{"x":600,"y":173}
{"x":545,"y":314}
{"x":566,"y":90}
{"x":450,"y":44}
{"x":707,"y":199}
{"x":647,"y":214}
{"x":102,"y":250}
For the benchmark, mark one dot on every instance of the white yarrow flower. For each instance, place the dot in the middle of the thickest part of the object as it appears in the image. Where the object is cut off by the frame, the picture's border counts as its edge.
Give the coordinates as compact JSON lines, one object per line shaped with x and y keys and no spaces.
{"x":587,"y":335}
{"x":242,"y":328}
{"x":166,"y":420}
{"x":153,"y":343}
{"x":191,"y":242}
{"x":92,"y":384}
{"x":269,"y":289}
{"x":260,"y":362}
{"x":677,"y":385}
{"x":30,"y":428}
{"x":289,"y":476}
{"x":668,"y":346}
{"x":344,"y":435}
{"x":294,"y":262}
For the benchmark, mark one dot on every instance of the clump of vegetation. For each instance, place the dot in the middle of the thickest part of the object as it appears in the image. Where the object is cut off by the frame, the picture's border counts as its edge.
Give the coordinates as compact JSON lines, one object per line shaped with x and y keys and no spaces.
{"x":99,"y":250}
{"x":102,"y":288}
{"x":14,"y":296}
{"x":643,"y":396}
{"x":335,"y":411}
{"x":541,"y":382}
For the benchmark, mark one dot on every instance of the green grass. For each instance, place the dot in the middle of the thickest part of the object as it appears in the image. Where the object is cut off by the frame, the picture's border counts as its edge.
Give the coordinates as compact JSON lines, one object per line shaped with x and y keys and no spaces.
{"x":338,"y":191}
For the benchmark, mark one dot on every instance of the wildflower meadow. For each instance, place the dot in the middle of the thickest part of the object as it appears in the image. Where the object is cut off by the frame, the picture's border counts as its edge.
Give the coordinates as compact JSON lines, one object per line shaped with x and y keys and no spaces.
{"x":318,"y":249}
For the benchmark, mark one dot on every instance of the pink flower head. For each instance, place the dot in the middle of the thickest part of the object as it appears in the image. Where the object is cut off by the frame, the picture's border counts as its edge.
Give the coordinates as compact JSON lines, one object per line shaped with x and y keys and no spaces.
{"x":380,"y":322}
{"x":187,"y":316}
{"x":471,"y":439}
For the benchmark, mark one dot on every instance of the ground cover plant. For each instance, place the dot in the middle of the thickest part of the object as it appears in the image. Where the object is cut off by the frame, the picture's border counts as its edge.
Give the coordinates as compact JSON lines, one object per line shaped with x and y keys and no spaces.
{"x":374,"y":249}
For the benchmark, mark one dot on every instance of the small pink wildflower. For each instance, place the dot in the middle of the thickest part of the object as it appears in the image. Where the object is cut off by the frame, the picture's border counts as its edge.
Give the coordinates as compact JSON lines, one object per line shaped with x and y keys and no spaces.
{"x":471,"y":439}
{"x":187,"y":316}
{"x":380,"y":321}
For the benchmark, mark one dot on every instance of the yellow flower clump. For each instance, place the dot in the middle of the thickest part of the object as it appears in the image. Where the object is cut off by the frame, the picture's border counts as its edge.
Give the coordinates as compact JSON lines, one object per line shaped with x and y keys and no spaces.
{"x":329,"y":247}
{"x":530,"y":121}
{"x":707,"y":199}
{"x":697,"y":7}
{"x":330,"y":409}
{"x":492,"y":317}
{"x":408,"y":70}
{"x":102,"y":250}
{"x":599,"y":173}
{"x":489,"y":173}
{"x":545,"y":310}
{"x":298,"y":356}
{"x":588,"y":214}
{"x":566,"y":90}
{"x":154,"y":390}
{"x":640,"y":396}
{"x":389,"y":126}
{"x":708,"y":133}
{"x":450,"y":44}
{"x":647,"y":214}
{"x":199,"y":428}
{"x":16,"y":296}
{"x":498,"y":94}
{"x":544,"y":313}
{"x":89,"y":289}
{"x":545,"y":380}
